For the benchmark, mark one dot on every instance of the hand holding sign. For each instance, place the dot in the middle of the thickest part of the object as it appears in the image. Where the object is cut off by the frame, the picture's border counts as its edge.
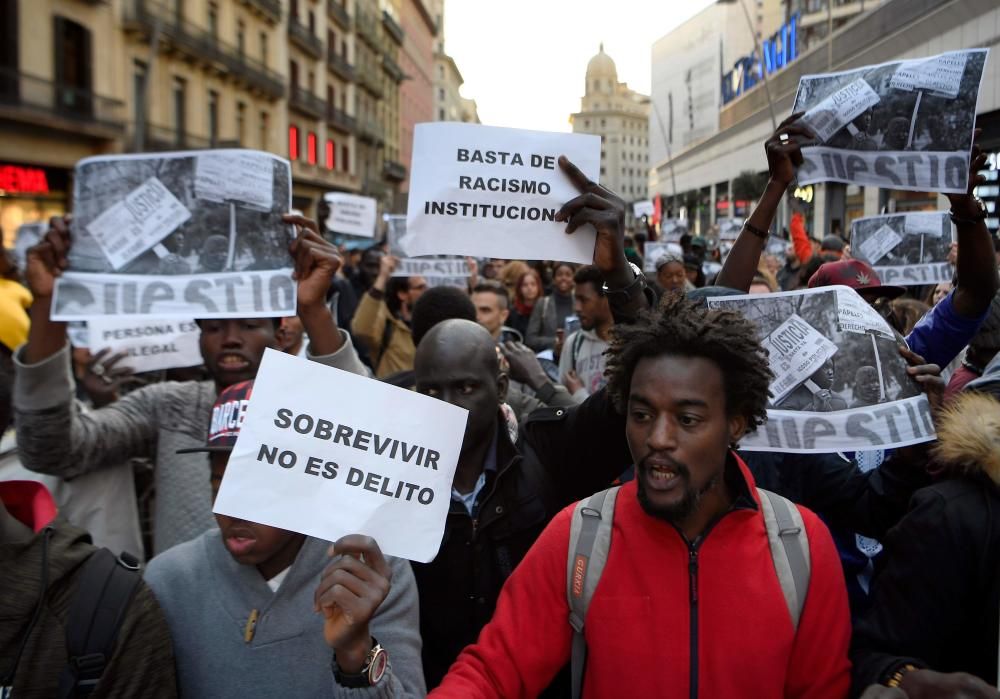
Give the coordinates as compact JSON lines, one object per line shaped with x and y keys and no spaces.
{"x":963,"y":203}
{"x":783,"y":149}
{"x":605,"y":211}
{"x":48,"y":259}
{"x":316,"y":261}
{"x":350,"y":591}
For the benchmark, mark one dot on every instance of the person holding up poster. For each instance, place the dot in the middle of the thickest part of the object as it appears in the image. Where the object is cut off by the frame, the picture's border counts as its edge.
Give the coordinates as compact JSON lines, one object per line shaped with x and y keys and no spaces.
{"x":155,"y":421}
{"x":241,"y":601}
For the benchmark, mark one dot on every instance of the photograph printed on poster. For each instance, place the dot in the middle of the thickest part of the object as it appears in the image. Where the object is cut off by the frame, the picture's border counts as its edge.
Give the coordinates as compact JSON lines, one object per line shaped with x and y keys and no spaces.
{"x":179,"y":234}
{"x":839,"y":380}
{"x":905,"y":249}
{"x":901,"y":125}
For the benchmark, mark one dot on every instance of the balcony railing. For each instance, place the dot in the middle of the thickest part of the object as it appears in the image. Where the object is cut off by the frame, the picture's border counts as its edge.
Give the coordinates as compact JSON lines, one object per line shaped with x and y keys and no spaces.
{"x":305,"y":39}
{"x":306,"y":102}
{"x":392,"y":69}
{"x":27,"y":97}
{"x":369,"y":79}
{"x":370,"y":131}
{"x":367,"y":29}
{"x":391,"y":170}
{"x":338,"y":13}
{"x":392,"y":26}
{"x":163,"y":138}
{"x":339,"y":65}
{"x":269,"y":8}
{"x":340,"y":120}
{"x":201,"y":44}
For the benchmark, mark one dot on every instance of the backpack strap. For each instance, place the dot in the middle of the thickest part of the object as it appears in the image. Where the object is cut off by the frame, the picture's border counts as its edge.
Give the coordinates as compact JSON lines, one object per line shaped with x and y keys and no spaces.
{"x":105,"y":590}
{"x":575,"y":351}
{"x":387,"y":333}
{"x":589,"y":542}
{"x":786,"y":535}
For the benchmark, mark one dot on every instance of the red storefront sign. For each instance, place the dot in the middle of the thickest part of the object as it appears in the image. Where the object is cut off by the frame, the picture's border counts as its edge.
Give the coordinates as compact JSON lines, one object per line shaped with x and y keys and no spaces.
{"x":16,"y":179}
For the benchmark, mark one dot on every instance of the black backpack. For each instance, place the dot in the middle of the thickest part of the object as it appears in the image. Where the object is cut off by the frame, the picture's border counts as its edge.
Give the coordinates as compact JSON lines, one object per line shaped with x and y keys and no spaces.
{"x":107,"y":585}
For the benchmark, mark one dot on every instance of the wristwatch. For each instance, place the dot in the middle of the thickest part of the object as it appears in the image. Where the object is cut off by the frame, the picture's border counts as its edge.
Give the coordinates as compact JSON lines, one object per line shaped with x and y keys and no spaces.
{"x":629,"y":291}
{"x":981,"y":213}
{"x":897,"y":677}
{"x":371,"y":673}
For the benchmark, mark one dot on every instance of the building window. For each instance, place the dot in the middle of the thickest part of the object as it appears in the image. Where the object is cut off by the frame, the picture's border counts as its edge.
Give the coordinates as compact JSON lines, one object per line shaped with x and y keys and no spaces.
{"x":72,"y":57}
{"x":241,"y":123}
{"x":602,"y":171}
{"x":312,"y":22}
{"x":311,"y":155}
{"x":331,"y":155}
{"x":441,"y":94}
{"x":603,"y":123}
{"x":312,"y":82}
{"x":138,"y":91}
{"x":343,"y":49}
{"x":293,"y":142}
{"x":180,"y":108}
{"x":440,"y":115}
{"x":213,"y":117}
{"x":241,"y":31}
{"x":331,"y":40}
{"x":294,"y":9}
{"x":586,"y":123}
{"x":264,"y":129}
{"x":345,"y":158}
{"x":331,"y":97}
{"x":213,"y":20}
{"x":263,"y":48}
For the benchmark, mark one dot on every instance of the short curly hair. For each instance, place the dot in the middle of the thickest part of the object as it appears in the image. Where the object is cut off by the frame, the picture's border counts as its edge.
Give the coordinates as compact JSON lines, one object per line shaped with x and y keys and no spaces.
{"x":687,"y":328}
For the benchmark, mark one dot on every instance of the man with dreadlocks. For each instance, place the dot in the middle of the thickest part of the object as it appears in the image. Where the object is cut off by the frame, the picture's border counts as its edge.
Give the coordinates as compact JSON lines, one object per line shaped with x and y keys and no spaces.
{"x":689,"y":602}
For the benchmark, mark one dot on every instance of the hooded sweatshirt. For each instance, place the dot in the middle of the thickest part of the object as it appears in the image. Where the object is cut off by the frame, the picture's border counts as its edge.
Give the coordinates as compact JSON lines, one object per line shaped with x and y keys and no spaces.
{"x":583,"y":352}
{"x":208,"y":597}
{"x":936,"y":599}
{"x":47,"y":568}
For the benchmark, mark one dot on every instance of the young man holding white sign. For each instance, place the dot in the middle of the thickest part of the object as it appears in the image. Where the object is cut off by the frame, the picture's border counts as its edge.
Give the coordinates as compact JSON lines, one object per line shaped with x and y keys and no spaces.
{"x":156,"y":420}
{"x":249,"y":626}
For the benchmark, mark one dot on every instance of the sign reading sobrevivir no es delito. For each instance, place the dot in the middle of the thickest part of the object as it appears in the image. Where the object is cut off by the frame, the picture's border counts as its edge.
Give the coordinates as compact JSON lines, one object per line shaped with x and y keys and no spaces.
{"x":488,"y":191}
{"x":380,"y":464}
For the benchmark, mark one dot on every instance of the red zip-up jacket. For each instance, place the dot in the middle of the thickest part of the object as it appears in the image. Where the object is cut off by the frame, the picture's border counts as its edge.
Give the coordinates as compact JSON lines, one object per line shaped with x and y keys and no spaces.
{"x":669,"y":618}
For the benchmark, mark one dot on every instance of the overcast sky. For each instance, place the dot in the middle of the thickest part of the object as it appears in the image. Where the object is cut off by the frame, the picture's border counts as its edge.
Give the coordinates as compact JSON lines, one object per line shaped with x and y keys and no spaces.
{"x":524,"y":61}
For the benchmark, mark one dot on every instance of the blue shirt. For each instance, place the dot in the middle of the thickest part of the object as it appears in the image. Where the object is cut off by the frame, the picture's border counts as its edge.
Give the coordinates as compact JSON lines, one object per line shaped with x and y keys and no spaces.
{"x":942,"y":333}
{"x":470,"y":499}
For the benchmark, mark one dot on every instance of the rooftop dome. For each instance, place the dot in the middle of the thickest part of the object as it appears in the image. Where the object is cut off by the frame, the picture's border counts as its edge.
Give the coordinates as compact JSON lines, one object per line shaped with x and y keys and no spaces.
{"x":601,"y":66}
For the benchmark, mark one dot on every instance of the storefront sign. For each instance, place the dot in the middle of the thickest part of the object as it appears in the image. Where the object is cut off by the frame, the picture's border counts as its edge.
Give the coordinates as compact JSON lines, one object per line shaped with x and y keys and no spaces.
{"x":779,"y":50}
{"x":17,"y":179}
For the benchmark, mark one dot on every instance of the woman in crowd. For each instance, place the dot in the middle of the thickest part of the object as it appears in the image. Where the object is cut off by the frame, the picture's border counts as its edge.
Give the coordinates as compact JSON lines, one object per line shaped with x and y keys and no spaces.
{"x":526,"y":294}
{"x":670,"y":273}
{"x":549,"y":314}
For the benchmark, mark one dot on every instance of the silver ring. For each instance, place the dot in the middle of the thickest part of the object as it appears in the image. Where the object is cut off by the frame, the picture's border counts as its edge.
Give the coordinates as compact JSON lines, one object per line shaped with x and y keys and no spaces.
{"x":783,"y":137}
{"x":107,"y":379}
{"x":97,"y":369}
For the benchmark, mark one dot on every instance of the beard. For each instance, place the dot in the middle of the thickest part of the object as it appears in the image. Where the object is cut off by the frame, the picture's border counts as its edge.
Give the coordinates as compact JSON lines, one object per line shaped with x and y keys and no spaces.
{"x":682,"y":509}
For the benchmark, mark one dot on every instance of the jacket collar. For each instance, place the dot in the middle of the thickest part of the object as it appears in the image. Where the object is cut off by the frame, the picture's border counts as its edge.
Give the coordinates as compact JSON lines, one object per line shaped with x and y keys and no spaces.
{"x":740,"y":483}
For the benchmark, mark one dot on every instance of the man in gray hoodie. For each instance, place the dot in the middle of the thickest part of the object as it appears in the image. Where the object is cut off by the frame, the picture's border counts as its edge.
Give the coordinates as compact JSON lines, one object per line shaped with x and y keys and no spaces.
{"x":55,"y":436}
{"x":581,"y":364}
{"x":254,"y":613}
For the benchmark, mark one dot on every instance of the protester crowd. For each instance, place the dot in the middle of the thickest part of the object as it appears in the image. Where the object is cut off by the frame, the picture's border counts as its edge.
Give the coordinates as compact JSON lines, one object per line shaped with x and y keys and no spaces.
{"x":872,"y":574}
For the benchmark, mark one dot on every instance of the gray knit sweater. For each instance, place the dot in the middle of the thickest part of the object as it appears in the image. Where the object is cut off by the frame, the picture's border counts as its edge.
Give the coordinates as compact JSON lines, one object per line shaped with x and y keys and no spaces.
{"x":207,"y":598}
{"x":56,"y":436}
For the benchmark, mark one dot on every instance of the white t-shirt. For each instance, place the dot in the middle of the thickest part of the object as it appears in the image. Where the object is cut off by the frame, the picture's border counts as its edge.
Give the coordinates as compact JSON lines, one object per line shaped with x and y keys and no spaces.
{"x":275,"y":582}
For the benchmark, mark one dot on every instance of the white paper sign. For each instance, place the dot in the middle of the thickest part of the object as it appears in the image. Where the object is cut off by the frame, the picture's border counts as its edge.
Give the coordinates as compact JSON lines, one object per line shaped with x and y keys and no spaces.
{"x":883,"y":240}
{"x":942,"y":74}
{"x":432,"y":267}
{"x":643,"y":208}
{"x":830,"y":115}
{"x":796,"y":352}
{"x":263,"y":294}
{"x":487,"y":191}
{"x":150,"y":343}
{"x":380,"y":464}
{"x":654,"y":250}
{"x":926,"y":223}
{"x":233,"y":175}
{"x":148,"y":214}
{"x":855,"y":315}
{"x":351,"y":214}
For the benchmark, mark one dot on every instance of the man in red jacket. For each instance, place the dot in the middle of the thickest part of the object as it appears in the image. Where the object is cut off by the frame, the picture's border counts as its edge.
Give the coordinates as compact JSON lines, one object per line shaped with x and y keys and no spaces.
{"x":689,"y":603}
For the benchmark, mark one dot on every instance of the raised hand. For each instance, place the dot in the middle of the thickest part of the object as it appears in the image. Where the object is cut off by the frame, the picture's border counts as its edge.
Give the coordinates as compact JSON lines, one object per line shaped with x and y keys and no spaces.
{"x":47,"y":260}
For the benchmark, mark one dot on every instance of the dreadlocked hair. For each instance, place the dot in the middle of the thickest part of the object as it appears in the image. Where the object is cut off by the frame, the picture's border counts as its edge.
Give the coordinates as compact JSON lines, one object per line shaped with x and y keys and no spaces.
{"x":686,"y":328}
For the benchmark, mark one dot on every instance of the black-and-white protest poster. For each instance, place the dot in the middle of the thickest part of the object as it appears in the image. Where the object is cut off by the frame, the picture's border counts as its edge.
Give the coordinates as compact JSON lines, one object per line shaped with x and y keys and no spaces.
{"x":905,"y":249}
{"x":671,"y":229}
{"x":488,"y":191}
{"x":655,"y":249}
{"x":643,"y":208}
{"x":839,"y":383}
{"x":195,"y":234}
{"x":380,"y":464}
{"x":149,"y":344}
{"x":729,"y":228}
{"x":395,"y":231}
{"x":437,"y":270}
{"x":351,"y":214}
{"x":899,"y":125}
